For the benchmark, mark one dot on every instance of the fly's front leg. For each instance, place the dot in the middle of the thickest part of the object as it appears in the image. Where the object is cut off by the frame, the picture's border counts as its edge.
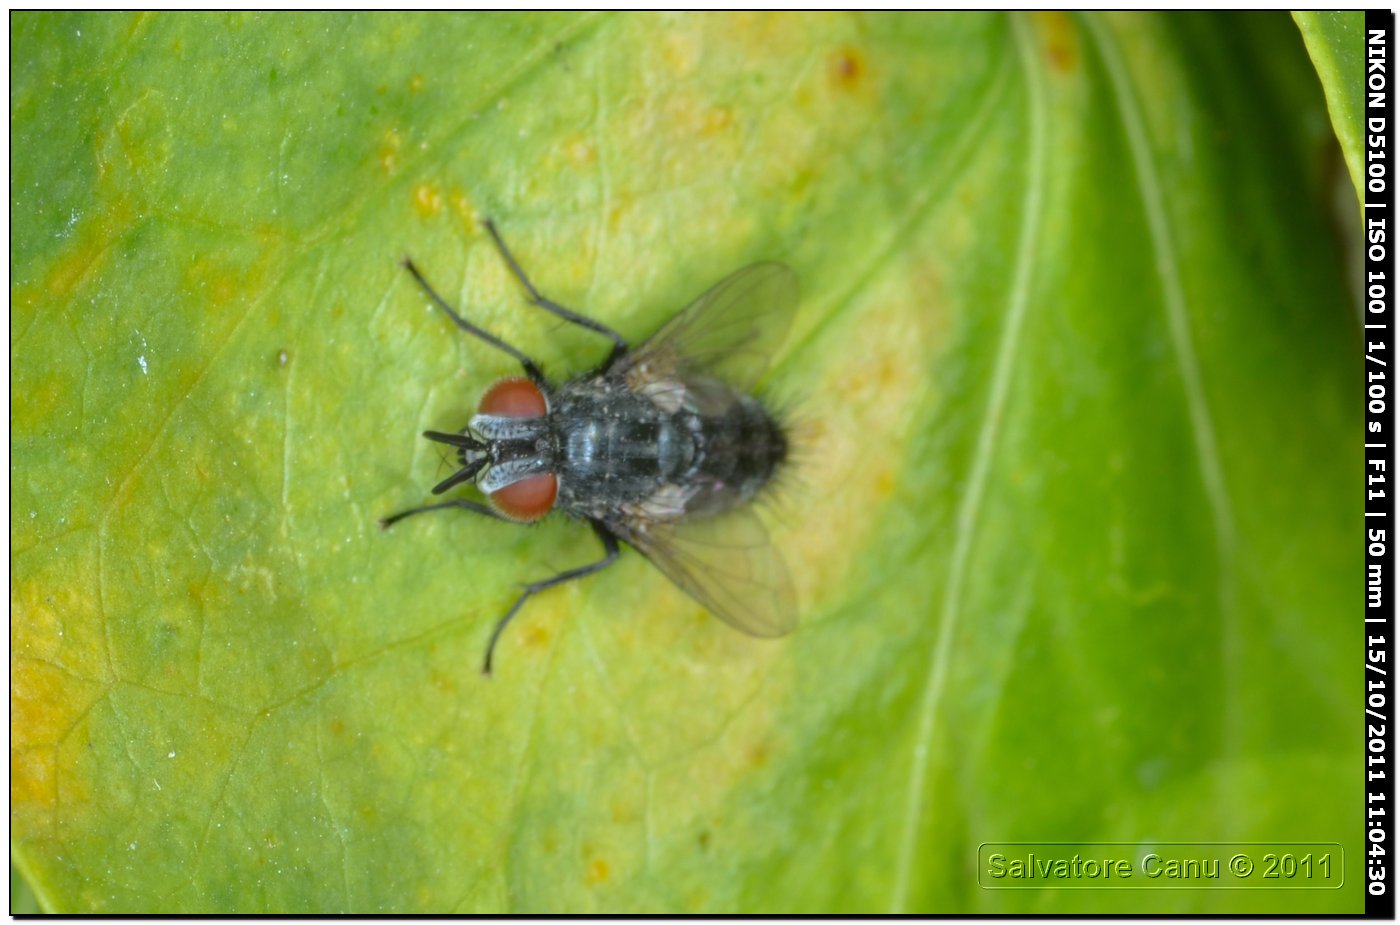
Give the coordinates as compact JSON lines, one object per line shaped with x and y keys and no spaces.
{"x":609,"y":557}
{"x":532,"y":368}
{"x":619,"y":343}
{"x":474,"y":507}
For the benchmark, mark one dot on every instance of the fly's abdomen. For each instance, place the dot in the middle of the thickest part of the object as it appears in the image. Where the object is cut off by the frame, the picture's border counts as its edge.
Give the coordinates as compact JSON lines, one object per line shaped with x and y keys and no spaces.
{"x":741,"y":449}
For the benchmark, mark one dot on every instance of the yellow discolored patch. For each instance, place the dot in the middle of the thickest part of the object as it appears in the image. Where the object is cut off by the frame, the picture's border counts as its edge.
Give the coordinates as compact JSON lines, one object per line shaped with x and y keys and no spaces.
{"x":33,"y":774}
{"x":91,"y":245}
{"x":598,"y":872}
{"x":86,"y":258}
{"x":46,"y":703}
{"x":689,"y":116}
{"x":1059,"y":39}
{"x":46,"y":618}
{"x":623,"y":811}
{"x":427,"y":199}
{"x":580,"y":151}
{"x":464,"y":210}
{"x":878,"y":400}
{"x":416,"y":83}
{"x":225,"y":279}
{"x":389,"y":144}
{"x":39,"y":405}
{"x":717,"y":119}
{"x":682,"y":51}
{"x":536,"y":637}
{"x":847,"y":68}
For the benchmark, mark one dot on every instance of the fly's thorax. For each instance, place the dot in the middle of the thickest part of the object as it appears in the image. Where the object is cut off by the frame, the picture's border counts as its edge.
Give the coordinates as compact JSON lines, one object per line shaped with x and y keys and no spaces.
{"x":616,"y":446}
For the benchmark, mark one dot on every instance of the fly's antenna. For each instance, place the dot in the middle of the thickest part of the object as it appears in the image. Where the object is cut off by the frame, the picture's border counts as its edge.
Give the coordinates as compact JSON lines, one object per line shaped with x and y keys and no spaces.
{"x":464,"y":474}
{"x":532,"y":368}
{"x":473,"y":453}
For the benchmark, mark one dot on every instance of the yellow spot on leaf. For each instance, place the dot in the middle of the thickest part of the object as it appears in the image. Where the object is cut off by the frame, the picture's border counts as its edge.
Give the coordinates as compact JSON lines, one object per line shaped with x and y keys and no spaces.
{"x":597,"y":872}
{"x":717,"y":120}
{"x":81,"y":261}
{"x":463,"y":209}
{"x":535,"y":637}
{"x":389,"y":144}
{"x":581,"y":151}
{"x":1061,"y":41}
{"x":91,"y":245}
{"x":39,"y":404}
{"x":32,"y":774}
{"x":848,"y":69}
{"x":623,"y":811}
{"x":45,"y":704}
{"x":682,"y":51}
{"x":427,"y":200}
{"x":415,"y":83}
{"x":215,"y":280}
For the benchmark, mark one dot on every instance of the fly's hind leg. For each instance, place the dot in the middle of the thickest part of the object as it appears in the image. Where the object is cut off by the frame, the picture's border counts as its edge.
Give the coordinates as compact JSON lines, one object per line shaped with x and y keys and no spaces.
{"x":610,"y":552}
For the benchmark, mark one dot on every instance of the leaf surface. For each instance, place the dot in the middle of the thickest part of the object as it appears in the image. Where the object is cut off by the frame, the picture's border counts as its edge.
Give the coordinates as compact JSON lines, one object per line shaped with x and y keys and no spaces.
{"x":1336,"y":42}
{"x":1073,"y":527}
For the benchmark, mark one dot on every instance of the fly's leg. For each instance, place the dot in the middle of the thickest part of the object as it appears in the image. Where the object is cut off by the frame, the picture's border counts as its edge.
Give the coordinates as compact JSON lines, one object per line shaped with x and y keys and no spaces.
{"x":619,"y":344}
{"x":532,"y":368}
{"x":609,"y":557}
{"x":474,"y":507}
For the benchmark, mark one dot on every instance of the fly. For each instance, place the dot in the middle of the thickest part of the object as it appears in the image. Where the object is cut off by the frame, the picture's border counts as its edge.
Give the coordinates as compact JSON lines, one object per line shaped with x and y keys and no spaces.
{"x":663,"y":447}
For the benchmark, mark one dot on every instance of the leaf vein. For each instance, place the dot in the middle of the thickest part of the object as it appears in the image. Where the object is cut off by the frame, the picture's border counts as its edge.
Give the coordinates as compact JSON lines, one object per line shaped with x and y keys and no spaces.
{"x":970,"y":507}
{"x":1211,"y":469}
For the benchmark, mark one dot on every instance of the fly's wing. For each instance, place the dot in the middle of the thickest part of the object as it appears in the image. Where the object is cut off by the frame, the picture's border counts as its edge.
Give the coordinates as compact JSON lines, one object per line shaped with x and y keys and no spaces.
{"x":729,"y":333}
{"x":726,"y":563}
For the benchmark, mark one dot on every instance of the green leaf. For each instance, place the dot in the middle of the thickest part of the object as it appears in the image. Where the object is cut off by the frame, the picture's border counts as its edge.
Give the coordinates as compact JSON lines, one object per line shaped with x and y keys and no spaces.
{"x":22,"y":901}
{"x":1336,"y":41}
{"x":1073,"y":528}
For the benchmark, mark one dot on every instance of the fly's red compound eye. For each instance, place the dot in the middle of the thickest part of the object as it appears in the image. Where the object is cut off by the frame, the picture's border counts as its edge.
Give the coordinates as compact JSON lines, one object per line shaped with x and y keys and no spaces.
{"x":528,"y":499}
{"x":514,"y":398}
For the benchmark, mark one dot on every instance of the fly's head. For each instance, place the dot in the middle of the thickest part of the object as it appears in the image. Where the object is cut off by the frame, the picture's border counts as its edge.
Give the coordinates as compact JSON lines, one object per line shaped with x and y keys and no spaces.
{"x":508,"y":451}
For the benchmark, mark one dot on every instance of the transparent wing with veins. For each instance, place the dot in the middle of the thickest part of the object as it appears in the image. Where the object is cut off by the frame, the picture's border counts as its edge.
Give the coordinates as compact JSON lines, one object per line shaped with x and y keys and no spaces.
{"x":730,"y":333}
{"x":726,"y":563}
{"x":710,"y":353}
